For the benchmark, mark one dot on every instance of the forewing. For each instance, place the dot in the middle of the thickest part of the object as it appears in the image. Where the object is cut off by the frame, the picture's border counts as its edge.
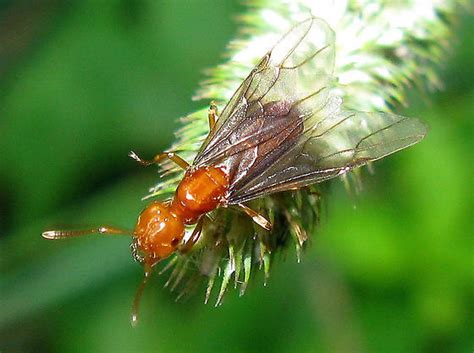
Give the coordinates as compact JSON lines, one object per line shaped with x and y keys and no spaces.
{"x":296,"y":72}
{"x":330,"y":146}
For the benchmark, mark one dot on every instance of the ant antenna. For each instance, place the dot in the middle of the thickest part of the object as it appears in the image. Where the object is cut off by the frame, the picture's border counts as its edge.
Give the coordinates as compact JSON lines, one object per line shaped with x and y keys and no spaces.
{"x":102,"y":230}
{"x":139,"y":294}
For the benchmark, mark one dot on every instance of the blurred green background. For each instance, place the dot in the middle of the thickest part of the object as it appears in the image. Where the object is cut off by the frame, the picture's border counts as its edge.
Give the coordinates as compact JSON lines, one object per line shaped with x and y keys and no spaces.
{"x":84,"y":82}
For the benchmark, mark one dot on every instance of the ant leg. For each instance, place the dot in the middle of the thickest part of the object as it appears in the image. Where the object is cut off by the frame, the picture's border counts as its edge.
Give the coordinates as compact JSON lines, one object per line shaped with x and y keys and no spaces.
{"x":256,"y":217}
{"x":186,"y":247}
{"x":212,"y":115}
{"x":159,"y":158}
{"x":102,"y":230}
{"x":148,"y":269}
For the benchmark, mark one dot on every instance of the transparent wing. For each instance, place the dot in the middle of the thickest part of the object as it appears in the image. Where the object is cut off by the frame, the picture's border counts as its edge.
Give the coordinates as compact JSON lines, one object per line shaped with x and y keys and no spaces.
{"x":282,"y":130}
{"x":295,"y":73}
{"x":332,"y":144}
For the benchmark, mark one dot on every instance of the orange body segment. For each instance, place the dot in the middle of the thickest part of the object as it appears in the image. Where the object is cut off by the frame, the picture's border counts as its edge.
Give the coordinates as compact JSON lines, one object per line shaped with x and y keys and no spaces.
{"x":160,"y":227}
{"x":158,"y":232}
{"x":200,"y":191}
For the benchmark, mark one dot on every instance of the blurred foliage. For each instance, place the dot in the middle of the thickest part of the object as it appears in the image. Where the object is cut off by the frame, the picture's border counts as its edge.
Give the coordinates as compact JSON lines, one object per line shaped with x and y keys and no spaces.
{"x":82,"y":83}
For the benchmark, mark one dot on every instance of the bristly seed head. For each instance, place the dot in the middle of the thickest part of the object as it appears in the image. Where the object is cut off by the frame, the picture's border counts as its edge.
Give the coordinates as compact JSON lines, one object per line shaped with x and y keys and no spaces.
{"x":379,"y":52}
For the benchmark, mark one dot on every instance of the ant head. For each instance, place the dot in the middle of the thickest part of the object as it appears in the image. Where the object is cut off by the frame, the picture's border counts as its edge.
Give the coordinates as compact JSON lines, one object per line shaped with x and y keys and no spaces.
{"x":157,"y":234}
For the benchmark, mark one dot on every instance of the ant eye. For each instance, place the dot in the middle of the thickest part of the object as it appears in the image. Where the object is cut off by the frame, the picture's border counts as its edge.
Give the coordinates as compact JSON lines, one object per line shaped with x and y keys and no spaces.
{"x":175,"y":242}
{"x":137,"y":254}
